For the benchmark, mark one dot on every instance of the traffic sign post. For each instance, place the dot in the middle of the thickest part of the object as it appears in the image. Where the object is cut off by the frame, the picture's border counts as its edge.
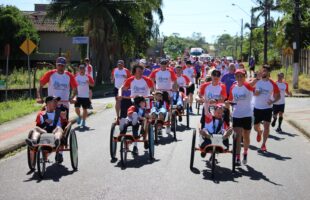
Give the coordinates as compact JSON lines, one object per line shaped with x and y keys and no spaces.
{"x":7,"y":50}
{"x":27,"y":47}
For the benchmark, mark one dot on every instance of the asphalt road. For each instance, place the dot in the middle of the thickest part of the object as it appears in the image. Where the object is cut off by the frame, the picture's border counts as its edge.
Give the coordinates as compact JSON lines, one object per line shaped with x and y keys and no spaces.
{"x":282,"y":173}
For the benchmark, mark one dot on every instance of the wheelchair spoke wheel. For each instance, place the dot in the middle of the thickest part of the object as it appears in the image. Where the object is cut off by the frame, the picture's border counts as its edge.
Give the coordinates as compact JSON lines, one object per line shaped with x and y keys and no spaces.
{"x":31,"y":157}
{"x":174,"y":124}
{"x":124,"y":151}
{"x":151,"y":143}
{"x":156,"y":133}
{"x":73,"y":150}
{"x":41,"y":162}
{"x":193,"y":149}
{"x":187,"y":115}
{"x":113,"y":143}
{"x":234,"y":152}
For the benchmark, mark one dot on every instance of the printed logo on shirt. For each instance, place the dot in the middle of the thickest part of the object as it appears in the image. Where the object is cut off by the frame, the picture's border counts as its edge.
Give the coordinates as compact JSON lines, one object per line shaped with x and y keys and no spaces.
{"x":60,"y":86}
{"x":211,"y":95}
{"x":137,"y":89}
{"x":163,"y":79}
{"x":263,"y":91}
{"x":239,"y":97}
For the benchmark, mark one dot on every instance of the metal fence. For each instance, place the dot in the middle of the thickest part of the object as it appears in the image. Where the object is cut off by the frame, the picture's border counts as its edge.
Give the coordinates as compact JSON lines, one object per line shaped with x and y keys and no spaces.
{"x":304,"y":61}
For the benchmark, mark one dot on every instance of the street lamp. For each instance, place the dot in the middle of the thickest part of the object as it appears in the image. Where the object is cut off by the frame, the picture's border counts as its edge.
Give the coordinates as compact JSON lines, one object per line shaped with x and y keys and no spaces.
{"x":241,"y":37}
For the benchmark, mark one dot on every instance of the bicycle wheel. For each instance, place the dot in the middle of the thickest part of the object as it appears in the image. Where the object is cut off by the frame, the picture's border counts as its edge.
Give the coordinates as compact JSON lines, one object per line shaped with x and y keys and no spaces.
{"x":73,"y":150}
{"x":113,"y":143}
{"x":187,"y":115}
{"x":213,"y":164}
{"x":193,"y":150}
{"x":234,"y":152}
{"x":124,"y":150}
{"x":41,"y":164}
{"x":31,"y":158}
{"x":151,"y":143}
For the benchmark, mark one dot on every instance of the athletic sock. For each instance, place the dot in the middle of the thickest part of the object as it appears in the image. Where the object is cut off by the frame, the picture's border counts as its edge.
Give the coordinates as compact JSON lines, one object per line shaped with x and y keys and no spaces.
{"x":280,"y":121}
{"x":245,"y":151}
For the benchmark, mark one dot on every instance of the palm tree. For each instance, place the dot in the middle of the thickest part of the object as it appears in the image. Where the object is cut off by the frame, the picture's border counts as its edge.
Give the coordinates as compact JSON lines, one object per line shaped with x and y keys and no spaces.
{"x":113,"y":27}
{"x":265,"y":7}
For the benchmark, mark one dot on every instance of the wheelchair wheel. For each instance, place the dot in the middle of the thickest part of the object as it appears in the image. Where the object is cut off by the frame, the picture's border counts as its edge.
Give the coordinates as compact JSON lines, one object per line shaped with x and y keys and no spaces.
{"x":73,"y":150}
{"x":31,"y":158}
{"x":41,"y":163}
{"x":234,"y":151}
{"x":198,"y":108}
{"x":187,"y":115}
{"x":174,"y":124}
{"x":113,"y":143}
{"x":124,"y":150}
{"x":156,"y":133}
{"x":193,"y":150}
{"x":213,"y":164}
{"x":151,"y":143}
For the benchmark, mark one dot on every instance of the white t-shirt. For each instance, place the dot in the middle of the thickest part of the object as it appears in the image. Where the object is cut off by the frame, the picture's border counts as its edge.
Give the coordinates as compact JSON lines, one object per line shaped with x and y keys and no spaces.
{"x":164,"y":79}
{"x":83,"y":85}
{"x":190,"y":72}
{"x":210,"y":91}
{"x":59,"y":84}
{"x":266,"y":88}
{"x":242,"y":96}
{"x":182,"y":80}
{"x":119,"y":76}
{"x":283,"y":86}
{"x":139,"y":86}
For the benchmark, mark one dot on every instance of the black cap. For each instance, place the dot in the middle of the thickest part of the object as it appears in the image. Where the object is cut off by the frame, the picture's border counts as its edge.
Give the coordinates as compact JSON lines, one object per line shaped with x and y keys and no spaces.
{"x":188,"y":62}
{"x":51,"y":98}
{"x":163,"y":61}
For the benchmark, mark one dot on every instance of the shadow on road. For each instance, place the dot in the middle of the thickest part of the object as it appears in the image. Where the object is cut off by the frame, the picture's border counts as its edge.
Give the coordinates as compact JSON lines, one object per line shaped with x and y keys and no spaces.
{"x":137,"y":161}
{"x":255,"y":175}
{"x":269,"y":154}
{"x":83,"y":129}
{"x":182,"y":128}
{"x":53,"y":172}
{"x":288,"y":134}
{"x":275,"y":137}
{"x":167,"y":140}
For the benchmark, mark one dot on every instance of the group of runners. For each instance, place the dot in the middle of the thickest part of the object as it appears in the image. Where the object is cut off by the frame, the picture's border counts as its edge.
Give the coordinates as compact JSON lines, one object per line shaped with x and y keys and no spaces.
{"x":236,"y":99}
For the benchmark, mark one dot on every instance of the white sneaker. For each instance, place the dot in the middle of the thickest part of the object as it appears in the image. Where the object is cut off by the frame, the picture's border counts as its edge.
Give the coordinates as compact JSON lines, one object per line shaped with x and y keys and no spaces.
{"x":168,"y":130}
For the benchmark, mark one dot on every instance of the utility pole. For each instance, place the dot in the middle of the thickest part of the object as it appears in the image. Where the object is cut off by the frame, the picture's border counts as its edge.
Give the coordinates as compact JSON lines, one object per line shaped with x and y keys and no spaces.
{"x":296,"y":43}
{"x":236,"y":45}
{"x":266,"y":26}
{"x":251,"y":32}
{"x":241,"y":57}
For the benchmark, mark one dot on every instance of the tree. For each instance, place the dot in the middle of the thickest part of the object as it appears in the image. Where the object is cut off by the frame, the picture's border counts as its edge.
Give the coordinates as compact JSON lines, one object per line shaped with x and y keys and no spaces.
{"x":264,"y":8}
{"x":115,"y":28}
{"x":15,"y":29}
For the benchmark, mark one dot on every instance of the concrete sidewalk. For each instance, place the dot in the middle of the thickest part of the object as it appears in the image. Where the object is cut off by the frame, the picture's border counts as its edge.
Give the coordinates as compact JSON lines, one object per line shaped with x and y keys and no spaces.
{"x":14,"y":133}
{"x":297,"y":113}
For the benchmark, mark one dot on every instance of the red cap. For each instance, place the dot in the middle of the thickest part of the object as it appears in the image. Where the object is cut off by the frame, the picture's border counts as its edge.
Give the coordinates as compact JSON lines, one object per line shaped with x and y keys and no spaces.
{"x":240,"y":71}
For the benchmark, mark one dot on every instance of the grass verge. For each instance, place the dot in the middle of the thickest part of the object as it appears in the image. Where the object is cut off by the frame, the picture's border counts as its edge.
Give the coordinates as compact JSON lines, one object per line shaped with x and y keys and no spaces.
{"x":17,"y":108}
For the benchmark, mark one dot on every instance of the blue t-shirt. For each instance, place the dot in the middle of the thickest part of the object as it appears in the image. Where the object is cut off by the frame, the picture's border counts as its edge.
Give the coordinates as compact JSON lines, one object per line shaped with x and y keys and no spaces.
{"x":146,"y":72}
{"x":228,"y":80}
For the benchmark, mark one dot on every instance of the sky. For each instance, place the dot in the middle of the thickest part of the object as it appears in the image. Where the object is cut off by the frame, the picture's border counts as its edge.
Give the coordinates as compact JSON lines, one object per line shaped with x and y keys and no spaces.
{"x":209,"y":17}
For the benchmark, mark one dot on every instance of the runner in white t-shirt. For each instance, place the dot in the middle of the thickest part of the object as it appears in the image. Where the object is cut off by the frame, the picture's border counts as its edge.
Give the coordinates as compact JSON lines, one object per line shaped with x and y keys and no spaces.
{"x":90,"y":72}
{"x":265,"y":91}
{"x":84,"y":82}
{"x":190,"y":72}
{"x":182,"y":80}
{"x":240,"y":95}
{"x":118,"y":76}
{"x":279,"y":106}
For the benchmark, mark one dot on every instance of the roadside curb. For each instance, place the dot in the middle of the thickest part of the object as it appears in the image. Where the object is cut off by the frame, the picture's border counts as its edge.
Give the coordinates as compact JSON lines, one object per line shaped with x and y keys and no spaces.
{"x":298,"y":127}
{"x":20,"y":144}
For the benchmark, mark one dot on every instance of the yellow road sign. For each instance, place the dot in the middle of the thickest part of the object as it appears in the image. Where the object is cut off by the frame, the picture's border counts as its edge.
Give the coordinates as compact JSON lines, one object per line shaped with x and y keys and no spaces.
{"x":28,"y":46}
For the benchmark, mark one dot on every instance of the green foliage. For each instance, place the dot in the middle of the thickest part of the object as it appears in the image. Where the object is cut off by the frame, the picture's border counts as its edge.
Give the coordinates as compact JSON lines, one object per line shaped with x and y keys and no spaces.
{"x":14,"y":109}
{"x":15,"y":28}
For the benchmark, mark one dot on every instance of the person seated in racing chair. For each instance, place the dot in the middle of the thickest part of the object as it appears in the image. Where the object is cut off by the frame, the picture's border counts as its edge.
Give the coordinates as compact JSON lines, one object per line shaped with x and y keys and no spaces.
{"x":135,"y":116}
{"x":214,"y":124}
{"x":178,"y":98}
{"x":159,"y":109}
{"x":49,"y":120}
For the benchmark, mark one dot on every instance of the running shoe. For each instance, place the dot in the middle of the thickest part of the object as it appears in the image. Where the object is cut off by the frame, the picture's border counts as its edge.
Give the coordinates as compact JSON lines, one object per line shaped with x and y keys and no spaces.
{"x":279,"y":130}
{"x":59,"y":158}
{"x":238,"y":162}
{"x":245,"y":159}
{"x":168,"y":130}
{"x":263,"y":148}
{"x":259,"y":137}
{"x":180,"y":118}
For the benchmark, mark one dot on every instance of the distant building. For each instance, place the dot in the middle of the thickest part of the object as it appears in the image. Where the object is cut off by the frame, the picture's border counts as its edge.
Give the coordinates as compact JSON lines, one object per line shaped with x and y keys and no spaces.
{"x":53,"y":39}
